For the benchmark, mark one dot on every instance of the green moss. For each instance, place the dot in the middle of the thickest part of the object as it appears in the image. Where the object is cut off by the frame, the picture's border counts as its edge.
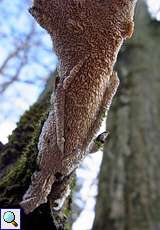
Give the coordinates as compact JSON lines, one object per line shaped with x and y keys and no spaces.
{"x":67,"y":227}
{"x":18,"y":159}
{"x":25,"y":165}
{"x":104,"y":115}
{"x":22,"y":135}
{"x":73,"y":183}
{"x":67,"y":212}
{"x":14,"y":173}
{"x":27,"y":158}
{"x":99,"y":144}
{"x":67,"y":215}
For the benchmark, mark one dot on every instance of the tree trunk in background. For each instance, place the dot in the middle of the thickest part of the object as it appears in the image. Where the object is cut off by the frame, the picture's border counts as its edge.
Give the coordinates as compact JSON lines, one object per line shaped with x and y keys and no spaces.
{"x":18,"y":162}
{"x":129,"y":186}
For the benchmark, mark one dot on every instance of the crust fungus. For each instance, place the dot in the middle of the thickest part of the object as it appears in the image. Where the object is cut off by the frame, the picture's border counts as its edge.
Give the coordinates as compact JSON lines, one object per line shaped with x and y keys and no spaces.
{"x":87,"y":35}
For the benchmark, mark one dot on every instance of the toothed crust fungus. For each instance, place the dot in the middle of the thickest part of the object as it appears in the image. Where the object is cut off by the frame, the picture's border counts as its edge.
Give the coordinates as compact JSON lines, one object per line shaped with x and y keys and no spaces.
{"x":87,"y":35}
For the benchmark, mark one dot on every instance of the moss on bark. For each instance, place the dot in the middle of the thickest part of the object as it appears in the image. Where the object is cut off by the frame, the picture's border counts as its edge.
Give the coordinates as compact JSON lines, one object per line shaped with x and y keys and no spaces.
{"x":18,"y":161}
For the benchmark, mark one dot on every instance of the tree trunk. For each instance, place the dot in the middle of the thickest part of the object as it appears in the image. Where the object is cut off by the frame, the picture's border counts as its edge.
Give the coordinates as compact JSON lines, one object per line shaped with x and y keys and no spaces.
{"x":129,"y":185}
{"x":18,"y":162}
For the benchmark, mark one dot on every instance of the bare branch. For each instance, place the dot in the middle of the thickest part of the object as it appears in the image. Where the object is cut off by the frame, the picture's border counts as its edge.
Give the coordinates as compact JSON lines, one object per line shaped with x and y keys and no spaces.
{"x":21,"y":52}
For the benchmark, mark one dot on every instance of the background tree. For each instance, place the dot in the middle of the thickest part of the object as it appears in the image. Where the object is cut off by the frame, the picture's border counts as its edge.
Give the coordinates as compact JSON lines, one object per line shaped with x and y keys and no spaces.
{"x":129,"y":185}
{"x":25,"y":62}
{"x":17,"y":156}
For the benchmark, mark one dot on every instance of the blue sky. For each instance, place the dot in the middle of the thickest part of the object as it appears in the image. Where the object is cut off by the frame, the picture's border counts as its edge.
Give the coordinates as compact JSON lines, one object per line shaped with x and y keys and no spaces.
{"x":15,"y":22}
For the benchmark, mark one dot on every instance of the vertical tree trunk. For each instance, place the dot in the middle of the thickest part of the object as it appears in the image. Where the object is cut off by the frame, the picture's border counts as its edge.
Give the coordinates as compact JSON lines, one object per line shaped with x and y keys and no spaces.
{"x":129,"y":186}
{"x":18,"y":162}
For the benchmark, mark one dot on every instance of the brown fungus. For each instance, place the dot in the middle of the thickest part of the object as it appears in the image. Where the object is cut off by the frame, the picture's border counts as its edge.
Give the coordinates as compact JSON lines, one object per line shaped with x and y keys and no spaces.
{"x":87,"y":35}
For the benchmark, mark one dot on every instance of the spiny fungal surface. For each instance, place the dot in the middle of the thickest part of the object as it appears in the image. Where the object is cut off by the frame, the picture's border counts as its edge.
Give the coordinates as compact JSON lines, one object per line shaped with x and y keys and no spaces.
{"x":87,"y":35}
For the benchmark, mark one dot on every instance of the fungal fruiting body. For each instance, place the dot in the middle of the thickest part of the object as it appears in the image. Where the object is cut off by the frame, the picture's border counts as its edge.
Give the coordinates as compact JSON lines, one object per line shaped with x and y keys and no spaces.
{"x":87,"y":35}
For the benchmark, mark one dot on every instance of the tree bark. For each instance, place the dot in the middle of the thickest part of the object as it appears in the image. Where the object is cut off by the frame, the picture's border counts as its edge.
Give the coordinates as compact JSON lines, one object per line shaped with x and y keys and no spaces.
{"x":18,"y":162}
{"x":18,"y":157}
{"x":86,"y":88}
{"x":129,"y":184}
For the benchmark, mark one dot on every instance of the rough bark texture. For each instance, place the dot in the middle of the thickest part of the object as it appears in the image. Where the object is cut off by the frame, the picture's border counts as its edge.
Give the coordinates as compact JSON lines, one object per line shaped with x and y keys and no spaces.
{"x":129,"y":186}
{"x":18,"y":161}
{"x":104,"y":25}
{"x":87,"y":36}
